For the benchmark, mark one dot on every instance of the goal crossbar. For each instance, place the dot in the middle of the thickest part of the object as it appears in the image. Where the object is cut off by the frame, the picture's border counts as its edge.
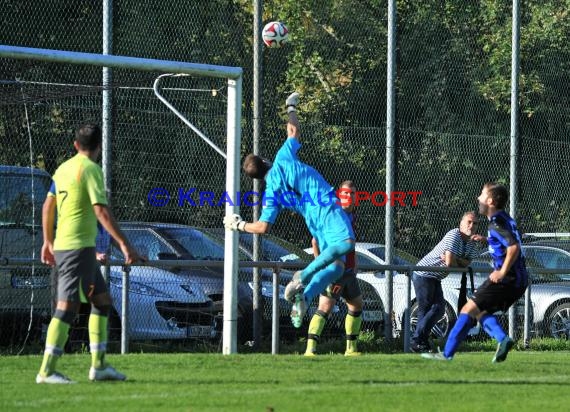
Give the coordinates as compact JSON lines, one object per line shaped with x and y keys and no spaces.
{"x":108,"y":60}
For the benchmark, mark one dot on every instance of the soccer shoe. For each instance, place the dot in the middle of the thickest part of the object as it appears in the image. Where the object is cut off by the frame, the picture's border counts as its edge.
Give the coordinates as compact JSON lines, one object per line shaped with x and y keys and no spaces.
{"x":298,"y":311}
{"x":436,"y":356}
{"x":310,"y":354}
{"x":294,"y":287}
{"x":503,"y":349}
{"x":292,"y":100}
{"x":55,"y":377}
{"x":107,"y":373}
{"x":352,"y":353}
{"x":420,"y":348}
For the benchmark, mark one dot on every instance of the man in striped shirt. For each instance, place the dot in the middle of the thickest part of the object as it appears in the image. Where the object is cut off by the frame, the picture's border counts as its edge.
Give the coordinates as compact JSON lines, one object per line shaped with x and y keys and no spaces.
{"x":457,"y":248}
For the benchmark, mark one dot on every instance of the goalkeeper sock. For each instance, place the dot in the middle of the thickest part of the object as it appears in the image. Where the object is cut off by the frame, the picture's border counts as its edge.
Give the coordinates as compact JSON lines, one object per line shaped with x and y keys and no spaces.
{"x":315,"y":329}
{"x":492,"y":327}
{"x":327,"y":256}
{"x":457,"y":334}
{"x":352,"y":324}
{"x":56,"y":338}
{"x":98,"y":339}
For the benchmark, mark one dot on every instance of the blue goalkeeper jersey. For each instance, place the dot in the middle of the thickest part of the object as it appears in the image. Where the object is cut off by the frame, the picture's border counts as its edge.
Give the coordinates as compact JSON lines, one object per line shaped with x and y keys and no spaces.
{"x":294,"y":185}
{"x":503,"y":233}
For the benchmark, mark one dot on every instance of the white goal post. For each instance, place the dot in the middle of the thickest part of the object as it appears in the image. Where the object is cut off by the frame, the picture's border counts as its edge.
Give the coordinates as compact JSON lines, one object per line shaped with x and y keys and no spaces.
{"x":235,"y":77}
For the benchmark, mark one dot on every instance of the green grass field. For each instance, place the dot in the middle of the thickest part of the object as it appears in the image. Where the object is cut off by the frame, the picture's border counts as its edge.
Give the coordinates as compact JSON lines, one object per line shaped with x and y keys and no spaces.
{"x":527,"y":381}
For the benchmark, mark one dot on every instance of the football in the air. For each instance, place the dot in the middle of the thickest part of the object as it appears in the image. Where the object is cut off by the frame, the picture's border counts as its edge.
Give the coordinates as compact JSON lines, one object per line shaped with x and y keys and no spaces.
{"x":275,"y":34}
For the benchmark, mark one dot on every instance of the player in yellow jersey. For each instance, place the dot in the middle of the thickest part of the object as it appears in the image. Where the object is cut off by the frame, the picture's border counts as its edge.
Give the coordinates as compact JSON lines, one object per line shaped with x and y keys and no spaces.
{"x":80,"y":200}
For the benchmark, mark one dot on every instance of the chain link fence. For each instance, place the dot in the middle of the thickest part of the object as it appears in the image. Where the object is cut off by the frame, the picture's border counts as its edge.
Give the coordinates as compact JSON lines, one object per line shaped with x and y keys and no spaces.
{"x":453,"y":113}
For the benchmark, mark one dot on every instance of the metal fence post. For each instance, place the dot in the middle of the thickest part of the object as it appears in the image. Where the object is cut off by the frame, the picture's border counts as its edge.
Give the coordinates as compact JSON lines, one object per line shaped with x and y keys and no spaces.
{"x":527,"y":314}
{"x":275,"y":313}
{"x":407,"y":320}
{"x":125,"y":311}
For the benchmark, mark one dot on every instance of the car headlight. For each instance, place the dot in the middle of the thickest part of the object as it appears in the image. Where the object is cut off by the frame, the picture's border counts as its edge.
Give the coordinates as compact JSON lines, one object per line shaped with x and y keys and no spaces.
{"x":267,"y":289}
{"x":140,"y":288}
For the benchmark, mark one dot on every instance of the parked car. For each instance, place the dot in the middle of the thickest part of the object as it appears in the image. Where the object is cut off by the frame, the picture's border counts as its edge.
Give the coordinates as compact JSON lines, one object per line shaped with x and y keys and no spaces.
{"x":24,"y":290}
{"x":163,"y":304}
{"x":165,"y":241}
{"x":280,"y":250}
{"x":375,"y":254}
{"x":550,"y":254}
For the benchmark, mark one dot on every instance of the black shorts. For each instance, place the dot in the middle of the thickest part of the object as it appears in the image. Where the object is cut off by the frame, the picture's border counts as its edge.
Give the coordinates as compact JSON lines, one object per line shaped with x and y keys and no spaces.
{"x":493,"y":297}
{"x":347,"y":287}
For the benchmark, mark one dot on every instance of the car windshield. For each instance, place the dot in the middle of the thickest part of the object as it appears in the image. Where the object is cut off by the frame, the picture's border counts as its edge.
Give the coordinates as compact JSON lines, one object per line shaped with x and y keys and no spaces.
{"x":20,"y":212}
{"x":400,"y":257}
{"x":16,"y":203}
{"x":548,"y":257}
{"x":197,"y":244}
{"x":533,"y":265}
{"x":146,"y":242}
{"x":275,"y":249}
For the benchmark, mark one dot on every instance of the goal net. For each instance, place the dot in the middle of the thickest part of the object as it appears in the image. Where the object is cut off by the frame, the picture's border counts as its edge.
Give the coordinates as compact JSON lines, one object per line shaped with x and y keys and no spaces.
{"x":158,"y":168}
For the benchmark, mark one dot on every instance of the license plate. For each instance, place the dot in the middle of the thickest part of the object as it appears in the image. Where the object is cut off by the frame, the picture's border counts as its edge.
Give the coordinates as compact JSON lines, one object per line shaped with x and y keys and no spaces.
{"x":199,"y":331}
{"x":372,"y":315}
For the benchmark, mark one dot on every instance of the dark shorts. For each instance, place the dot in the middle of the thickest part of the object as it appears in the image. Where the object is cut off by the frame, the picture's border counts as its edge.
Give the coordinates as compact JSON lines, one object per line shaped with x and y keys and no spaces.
{"x":346,"y":287}
{"x":493,"y":297}
{"x":78,"y":276}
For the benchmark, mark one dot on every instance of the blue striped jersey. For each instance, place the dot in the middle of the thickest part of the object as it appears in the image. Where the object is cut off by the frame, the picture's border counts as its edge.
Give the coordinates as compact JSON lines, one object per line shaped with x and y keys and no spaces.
{"x":503,"y":233}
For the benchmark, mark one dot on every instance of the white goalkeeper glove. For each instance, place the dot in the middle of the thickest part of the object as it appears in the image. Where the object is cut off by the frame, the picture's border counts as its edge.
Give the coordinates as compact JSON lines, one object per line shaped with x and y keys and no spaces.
{"x":292,"y":102}
{"x":234,"y":222}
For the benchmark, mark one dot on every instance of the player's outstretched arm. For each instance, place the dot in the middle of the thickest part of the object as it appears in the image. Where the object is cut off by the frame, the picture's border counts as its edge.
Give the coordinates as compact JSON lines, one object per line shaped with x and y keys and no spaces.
{"x":235,"y":222}
{"x":293,"y":127}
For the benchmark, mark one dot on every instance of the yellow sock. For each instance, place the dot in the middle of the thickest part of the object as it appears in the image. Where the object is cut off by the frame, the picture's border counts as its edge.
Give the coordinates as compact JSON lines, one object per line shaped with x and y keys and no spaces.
{"x":311,"y":346}
{"x":352,"y":324}
{"x":351,"y":346}
{"x":315,"y":329}
{"x":98,"y":339}
{"x":56,"y":338}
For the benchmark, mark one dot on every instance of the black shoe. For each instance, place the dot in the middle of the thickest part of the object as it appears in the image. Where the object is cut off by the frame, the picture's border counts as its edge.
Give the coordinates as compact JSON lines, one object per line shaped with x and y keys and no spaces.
{"x":420,"y":348}
{"x":503,"y":349}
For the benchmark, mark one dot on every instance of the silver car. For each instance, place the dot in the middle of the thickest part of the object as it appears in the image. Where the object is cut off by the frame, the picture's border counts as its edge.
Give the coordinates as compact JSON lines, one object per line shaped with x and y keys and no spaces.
{"x":550,"y":293}
{"x":163,"y":304}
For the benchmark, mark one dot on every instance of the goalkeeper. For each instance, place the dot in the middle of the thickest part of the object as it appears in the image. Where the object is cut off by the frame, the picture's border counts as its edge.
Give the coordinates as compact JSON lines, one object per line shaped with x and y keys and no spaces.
{"x":292,"y":184}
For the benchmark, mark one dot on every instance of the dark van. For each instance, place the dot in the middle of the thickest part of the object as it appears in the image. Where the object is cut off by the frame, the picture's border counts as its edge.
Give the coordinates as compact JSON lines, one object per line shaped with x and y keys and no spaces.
{"x":24,"y":290}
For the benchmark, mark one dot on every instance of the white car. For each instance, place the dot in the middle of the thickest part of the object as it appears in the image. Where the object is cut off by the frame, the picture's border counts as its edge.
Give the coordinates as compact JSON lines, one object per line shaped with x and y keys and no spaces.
{"x":374,"y":254}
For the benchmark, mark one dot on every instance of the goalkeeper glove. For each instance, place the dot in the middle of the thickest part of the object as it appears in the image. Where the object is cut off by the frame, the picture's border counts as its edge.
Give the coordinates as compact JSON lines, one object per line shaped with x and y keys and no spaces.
{"x":234,"y":222}
{"x":292,"y":102}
